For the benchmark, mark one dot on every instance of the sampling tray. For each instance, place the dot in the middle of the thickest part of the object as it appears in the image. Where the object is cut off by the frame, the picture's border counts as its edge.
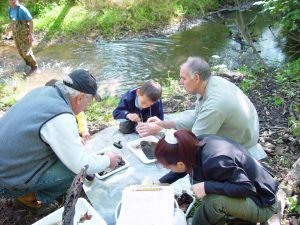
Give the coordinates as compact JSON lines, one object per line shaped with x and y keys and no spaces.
{"x":108,"y":171}
{"x":135,"y":147}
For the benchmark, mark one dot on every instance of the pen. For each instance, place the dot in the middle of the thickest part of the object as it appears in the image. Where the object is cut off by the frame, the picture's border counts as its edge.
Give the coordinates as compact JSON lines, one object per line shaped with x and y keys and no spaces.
{"x":147,"y":189}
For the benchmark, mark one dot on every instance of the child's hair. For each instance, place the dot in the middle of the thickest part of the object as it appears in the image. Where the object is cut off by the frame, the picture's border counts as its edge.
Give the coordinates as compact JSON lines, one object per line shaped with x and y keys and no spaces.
{"x":152,"y":90}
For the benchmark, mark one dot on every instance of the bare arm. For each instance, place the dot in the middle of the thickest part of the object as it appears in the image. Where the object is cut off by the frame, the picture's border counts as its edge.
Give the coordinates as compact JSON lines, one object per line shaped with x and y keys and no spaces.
{"x":153,"y":126}
{"x":168,"y":124}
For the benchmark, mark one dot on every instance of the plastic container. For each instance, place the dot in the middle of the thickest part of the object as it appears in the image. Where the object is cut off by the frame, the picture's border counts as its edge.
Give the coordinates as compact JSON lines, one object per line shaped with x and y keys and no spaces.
{"x":82,"y":207}
{"x":133,"y":146}
{"x":186,"y":213}
{"x":109,"y":171}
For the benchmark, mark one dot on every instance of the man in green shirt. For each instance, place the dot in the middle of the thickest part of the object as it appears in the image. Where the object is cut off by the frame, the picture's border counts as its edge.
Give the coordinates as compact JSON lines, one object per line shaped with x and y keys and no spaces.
{"x":221,"y":108}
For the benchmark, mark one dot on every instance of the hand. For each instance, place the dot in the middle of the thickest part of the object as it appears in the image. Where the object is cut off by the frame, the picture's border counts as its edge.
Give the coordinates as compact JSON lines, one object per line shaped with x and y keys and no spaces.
{"x":153,"y":119}
{"x":114,"y":159}
{"x":145,"y":129}
{"x":85,"y":137}
{"x":133,"y":117}
{"x":199,"y":190}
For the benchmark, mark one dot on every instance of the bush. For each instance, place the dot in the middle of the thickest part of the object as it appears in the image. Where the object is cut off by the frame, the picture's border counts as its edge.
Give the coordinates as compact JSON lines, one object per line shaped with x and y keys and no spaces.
{"x":288,"y":13}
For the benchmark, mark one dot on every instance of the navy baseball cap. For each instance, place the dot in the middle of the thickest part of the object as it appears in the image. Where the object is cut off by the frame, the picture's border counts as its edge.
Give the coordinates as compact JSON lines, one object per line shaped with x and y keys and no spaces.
{"x":83,"y":81}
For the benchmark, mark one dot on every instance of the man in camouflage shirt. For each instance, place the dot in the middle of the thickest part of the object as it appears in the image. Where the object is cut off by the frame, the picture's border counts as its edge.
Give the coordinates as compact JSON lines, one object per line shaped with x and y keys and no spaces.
{"x":21,"y":24}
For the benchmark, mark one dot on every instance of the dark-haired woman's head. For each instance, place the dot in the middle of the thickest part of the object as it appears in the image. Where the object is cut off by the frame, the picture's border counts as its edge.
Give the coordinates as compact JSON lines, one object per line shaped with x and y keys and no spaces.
{"x":180,"y":156}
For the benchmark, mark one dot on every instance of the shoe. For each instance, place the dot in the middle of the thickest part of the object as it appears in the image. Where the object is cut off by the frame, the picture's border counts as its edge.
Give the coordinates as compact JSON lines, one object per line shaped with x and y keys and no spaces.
{"x":32,"y":70}
{"x":30,"y":203}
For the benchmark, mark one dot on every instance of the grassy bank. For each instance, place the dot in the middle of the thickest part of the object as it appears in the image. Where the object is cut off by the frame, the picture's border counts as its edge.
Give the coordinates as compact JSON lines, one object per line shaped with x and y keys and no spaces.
{"x":110,"y":18}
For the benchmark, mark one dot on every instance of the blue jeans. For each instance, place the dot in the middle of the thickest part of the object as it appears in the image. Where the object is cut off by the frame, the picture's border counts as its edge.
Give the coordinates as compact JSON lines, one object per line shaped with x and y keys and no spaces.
{"x":52,"y":184}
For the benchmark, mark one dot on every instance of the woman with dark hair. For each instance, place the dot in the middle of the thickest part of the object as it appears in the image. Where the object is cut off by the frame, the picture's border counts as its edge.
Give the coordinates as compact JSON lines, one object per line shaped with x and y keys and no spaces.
{"x":229,"y":181}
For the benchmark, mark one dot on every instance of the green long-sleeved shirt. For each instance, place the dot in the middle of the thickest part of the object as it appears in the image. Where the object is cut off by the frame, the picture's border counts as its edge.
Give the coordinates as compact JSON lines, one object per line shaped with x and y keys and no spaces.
{"x":223,"y":110}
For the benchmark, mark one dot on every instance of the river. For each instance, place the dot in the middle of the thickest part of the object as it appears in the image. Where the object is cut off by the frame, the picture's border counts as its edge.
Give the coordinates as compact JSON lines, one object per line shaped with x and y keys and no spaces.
{"x":120,"y":65}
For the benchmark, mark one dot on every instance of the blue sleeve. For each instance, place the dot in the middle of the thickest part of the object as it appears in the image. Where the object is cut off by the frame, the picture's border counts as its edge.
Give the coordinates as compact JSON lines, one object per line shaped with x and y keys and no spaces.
{"x":171,"y":177}
{"x":123,"y":107}
{"x":225,"y":177}
{"x":24,"y":14}
{"x":158,"y":110}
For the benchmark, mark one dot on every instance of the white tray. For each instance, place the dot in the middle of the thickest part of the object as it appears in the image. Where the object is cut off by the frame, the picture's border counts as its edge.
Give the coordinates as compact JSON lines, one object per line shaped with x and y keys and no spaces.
{"x":82,"y":206}
{"x":132,"y":145}
{"x":190,"y":206}
{"x":110,"y":171}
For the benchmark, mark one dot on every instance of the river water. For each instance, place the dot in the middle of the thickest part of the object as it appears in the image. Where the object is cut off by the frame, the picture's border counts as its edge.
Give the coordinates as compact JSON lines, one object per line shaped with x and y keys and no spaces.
{"x":120,"y":65}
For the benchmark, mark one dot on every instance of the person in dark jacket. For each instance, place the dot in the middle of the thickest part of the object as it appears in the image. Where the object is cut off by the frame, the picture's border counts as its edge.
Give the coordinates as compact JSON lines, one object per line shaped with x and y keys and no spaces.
{"x":137,"y":105}
{"x":222,"y":173}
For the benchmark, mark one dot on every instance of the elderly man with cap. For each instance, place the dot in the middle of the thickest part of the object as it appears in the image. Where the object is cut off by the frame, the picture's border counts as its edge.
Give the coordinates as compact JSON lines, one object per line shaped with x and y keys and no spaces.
{"x":40,"y":146}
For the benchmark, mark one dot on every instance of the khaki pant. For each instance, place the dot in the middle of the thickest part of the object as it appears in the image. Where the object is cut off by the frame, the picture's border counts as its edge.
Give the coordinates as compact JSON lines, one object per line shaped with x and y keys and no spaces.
{"x":214,"y":209}
{"x":20,"y":33}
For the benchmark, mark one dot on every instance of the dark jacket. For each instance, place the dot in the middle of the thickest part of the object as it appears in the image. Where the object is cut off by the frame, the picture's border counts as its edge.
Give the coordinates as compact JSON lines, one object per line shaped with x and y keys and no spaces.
{"x":226,"y":168}
{"x":127,"y":105}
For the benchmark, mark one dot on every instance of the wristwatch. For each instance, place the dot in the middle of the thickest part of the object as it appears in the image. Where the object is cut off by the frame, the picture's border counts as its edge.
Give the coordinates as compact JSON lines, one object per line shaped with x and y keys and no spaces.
{"x":162,"y":133}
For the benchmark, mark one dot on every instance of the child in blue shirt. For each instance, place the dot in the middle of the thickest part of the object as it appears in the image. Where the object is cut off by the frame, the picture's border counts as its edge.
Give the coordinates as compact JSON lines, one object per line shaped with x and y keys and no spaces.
{"x":137,"y":105}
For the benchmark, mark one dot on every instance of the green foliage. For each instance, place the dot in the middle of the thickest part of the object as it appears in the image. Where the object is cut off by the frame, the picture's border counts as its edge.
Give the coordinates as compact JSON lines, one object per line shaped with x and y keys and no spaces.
{"x":106,"y":17}
{"x":293,"y":70}
{"x":194,"y":7}
{"x":294,"y":125}
{"x":293,"y":204}
{"x":248,"y":83}
{"x":171,"y":87}
{"x":3,"y":15}
{"x":6,"y":97}
{"x":102,"y":110}
{"x":111,"y":20}
{"x":278,"y":101}
{"x":287,"y":10}
{"x":288,"y":14}
{"x":280,"y":78}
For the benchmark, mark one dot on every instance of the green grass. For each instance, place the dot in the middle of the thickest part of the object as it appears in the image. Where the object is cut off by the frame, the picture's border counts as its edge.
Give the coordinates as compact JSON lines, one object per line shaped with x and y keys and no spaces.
{"x":3,"y":16}
{"x":6,"y":97}
{"x":102,"y":111}
{"x":107,"y":18}
{"x":8,"y":93}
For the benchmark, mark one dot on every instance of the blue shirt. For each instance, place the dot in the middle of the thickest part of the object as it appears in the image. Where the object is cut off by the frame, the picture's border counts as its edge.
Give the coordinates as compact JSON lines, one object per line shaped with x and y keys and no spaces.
{"x":129,"y":104}
{"x":19,"y":13}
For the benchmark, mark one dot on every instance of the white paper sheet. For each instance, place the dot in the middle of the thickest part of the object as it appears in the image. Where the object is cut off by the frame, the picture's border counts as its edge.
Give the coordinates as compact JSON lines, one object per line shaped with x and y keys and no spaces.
{"x":147,"y":207}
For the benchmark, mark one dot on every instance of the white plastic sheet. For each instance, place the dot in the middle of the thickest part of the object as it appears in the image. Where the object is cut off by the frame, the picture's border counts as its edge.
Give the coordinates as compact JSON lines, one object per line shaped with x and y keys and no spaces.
{"x":106,"y":194}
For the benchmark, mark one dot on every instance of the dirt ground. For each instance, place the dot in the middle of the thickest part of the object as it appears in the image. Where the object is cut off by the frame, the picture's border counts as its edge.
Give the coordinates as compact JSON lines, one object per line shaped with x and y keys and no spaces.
{"x":278,"y":141}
